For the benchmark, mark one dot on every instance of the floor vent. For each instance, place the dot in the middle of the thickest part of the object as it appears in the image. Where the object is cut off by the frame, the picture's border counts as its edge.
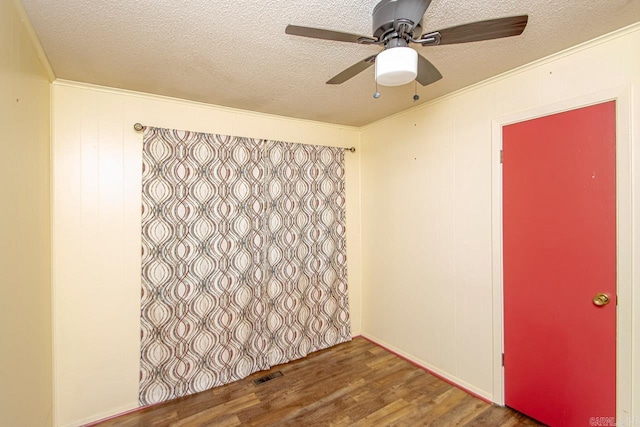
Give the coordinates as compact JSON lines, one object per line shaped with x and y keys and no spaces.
{"x":268,"y":377}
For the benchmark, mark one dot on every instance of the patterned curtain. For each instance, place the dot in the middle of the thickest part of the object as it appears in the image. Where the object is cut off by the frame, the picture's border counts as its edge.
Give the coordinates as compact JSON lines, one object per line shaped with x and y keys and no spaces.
{"x":306,"y":253}
{"x":243,"y":258}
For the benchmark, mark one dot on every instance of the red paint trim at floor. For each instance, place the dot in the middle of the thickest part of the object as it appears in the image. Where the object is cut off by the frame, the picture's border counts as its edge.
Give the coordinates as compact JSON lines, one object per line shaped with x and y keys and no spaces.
{"x":417,"y":365}
{"x":130,"y":411}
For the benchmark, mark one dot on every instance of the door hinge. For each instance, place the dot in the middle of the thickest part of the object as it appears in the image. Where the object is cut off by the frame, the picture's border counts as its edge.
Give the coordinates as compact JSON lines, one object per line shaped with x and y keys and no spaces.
{"x":501,"y":156}
{"x":502,"y":359}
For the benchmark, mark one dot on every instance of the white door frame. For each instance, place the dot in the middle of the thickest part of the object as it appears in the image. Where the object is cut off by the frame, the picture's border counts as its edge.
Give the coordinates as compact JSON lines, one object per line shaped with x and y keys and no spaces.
{"x":624,"y":261}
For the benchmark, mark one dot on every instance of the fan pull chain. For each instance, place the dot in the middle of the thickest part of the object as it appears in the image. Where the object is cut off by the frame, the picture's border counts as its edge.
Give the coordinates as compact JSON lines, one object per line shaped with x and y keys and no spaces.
{"x":376,"y":95}
{"x":416,"y":96}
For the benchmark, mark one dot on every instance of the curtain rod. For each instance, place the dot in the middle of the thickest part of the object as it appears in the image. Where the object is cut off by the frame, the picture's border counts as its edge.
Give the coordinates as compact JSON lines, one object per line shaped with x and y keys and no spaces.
{"x":138,"y":127}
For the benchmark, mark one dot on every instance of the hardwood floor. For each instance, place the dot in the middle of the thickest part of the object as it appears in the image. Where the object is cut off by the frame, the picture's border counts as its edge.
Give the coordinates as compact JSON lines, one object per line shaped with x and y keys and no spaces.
{"x":353,"y":384}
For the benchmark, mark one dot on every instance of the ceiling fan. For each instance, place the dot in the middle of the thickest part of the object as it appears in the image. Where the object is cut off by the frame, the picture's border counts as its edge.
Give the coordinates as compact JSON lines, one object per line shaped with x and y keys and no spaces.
{"x":397,"y":24}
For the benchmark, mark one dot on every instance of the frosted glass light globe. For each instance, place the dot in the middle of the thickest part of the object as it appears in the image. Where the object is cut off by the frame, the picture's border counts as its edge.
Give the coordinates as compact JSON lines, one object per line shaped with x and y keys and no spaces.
{"x":396,"y":66}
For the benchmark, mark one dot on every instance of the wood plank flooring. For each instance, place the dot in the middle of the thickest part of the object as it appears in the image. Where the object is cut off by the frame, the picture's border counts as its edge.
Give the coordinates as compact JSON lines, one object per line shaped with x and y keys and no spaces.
{"x":353,"y":384}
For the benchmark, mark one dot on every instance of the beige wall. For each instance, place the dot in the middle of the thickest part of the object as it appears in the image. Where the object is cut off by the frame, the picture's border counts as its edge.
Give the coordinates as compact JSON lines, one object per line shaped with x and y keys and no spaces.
{"x":25,"y":257}
{"x":427,"y":211}
{"x":96,"y":231}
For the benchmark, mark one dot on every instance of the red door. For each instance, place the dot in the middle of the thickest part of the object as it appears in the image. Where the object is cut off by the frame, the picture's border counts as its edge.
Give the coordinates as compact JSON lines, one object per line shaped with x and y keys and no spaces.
{"x":559,"y":252}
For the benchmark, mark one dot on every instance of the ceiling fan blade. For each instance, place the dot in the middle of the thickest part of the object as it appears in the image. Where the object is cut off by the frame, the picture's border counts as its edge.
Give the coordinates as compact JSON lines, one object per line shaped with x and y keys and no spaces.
{"x":319,"y":33}
{"x":353,"y":71}
{"x":427,"y":72}
{"x":412,"y":9}
{"x":483,"y":30}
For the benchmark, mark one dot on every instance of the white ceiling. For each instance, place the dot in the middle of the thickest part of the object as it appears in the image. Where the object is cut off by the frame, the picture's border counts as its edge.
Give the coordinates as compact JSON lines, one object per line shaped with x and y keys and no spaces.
{"x":236,"y":54}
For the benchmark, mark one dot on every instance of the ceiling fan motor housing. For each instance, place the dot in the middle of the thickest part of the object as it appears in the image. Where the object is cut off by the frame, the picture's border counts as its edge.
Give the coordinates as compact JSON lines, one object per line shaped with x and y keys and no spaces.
{"x":385,"y":16}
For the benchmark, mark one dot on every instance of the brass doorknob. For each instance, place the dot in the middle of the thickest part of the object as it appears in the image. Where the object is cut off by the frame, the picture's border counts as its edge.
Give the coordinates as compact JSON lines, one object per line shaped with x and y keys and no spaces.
{"x":601,"y":299}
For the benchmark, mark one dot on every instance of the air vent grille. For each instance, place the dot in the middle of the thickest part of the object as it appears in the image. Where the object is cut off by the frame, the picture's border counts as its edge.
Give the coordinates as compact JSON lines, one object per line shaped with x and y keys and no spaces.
{"x":268,"y":377}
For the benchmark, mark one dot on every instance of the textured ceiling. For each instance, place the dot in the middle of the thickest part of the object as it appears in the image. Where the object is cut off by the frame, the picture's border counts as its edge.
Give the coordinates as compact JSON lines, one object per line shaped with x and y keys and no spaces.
{"x":236,"y":54}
